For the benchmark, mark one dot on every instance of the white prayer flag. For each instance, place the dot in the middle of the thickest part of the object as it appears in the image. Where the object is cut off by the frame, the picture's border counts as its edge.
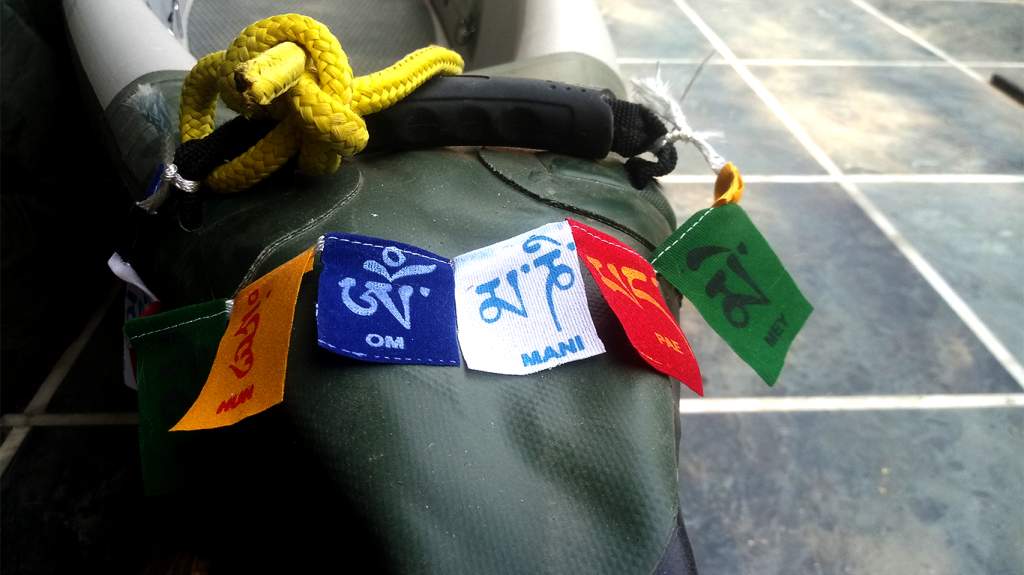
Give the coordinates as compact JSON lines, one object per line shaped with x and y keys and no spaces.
{"x":521,"y":304}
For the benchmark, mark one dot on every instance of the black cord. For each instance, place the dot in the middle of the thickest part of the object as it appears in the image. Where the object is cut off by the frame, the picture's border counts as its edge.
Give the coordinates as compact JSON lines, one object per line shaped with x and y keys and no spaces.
{"x":636,"y":130}
{"x":197,"y":159}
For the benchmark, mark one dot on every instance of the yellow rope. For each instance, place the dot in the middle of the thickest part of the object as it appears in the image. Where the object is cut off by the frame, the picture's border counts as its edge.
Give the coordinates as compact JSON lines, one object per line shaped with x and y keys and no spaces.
{"x":291,"y":68}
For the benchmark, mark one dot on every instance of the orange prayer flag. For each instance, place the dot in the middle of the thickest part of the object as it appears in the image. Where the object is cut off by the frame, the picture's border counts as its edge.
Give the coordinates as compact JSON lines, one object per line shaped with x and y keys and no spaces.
{"x":248,"y":372}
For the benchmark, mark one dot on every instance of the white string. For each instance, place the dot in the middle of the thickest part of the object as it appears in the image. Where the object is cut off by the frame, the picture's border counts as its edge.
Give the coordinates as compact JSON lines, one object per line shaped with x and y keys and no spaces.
{"x":169,"y":177}
{"x":655,"y":93}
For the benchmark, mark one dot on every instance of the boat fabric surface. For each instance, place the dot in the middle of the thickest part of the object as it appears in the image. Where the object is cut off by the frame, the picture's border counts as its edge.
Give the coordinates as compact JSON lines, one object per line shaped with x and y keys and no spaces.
{"x":374,"y":33}
{"x":415,"y":468}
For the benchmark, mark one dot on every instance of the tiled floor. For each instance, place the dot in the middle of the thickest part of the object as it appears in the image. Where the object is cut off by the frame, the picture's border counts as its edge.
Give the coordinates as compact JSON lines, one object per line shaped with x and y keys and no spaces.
{"x":773,"y":479}
{"x":741,"y":131}
{"x":834,"y":29}
{"x":78,"y":499}
{"x":969,"y":31}
{"x":877,"y":328}
{"x":971,"y":233}
{"x":869,"y":492}
{"x":895,"y":120}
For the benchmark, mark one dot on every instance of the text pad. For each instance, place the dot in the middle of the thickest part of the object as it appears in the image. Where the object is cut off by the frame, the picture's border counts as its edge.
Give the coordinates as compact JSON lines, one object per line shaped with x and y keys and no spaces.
{"x":521,"y":304}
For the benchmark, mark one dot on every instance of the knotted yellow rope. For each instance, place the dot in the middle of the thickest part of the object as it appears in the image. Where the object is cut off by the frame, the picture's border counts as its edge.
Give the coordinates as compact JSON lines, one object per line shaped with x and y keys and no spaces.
{"x":291,"y":68}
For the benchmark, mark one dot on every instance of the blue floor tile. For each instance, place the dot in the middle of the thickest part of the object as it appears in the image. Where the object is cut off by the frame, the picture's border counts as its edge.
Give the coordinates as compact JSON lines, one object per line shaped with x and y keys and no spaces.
{"x":964,"y":30}
{"x":830,"y":29}
{"x":652,"y":28}
{"x":95,"y":382}
{"x":859,"y":493}
{"x":891,"y":120}
{"x":877,"y":328}
{"x":72,"y":503}
{"x":973,"y":235}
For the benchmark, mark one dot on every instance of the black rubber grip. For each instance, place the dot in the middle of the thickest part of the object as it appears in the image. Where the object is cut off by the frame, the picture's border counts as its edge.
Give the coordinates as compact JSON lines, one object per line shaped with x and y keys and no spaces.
{"x":489,"y":111}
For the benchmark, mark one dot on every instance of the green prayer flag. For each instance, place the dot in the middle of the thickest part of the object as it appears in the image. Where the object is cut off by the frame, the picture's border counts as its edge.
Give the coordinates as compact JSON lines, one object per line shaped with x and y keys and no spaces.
{"x":724,"y":266}
{"x":173,"y":355}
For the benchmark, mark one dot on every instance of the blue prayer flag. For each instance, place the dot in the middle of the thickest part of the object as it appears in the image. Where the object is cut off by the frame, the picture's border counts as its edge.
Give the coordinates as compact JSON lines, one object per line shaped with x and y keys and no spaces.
{"x":385,"y":301}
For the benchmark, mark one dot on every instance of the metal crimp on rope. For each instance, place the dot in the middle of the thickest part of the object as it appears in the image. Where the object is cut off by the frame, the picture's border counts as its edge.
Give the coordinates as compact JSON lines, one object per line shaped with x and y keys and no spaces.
{"x":169,"y":177}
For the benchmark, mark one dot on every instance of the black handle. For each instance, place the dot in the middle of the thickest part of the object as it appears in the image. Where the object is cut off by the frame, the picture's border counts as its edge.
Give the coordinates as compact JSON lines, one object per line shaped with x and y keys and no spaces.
{"x":486,"y":111}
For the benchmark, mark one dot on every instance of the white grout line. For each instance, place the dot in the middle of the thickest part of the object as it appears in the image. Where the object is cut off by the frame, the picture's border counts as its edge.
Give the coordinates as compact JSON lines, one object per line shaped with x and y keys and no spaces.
{"x":938,"y":283}
{"x":67,"y":360}
{"x":914,"y":37}
{"x":849,"y":403}
{"x":68,"y":419}
{"x":10,"y":446}
{"x":822,"y":63}
{"x":852,"y":179}
{"x":49,"y":386}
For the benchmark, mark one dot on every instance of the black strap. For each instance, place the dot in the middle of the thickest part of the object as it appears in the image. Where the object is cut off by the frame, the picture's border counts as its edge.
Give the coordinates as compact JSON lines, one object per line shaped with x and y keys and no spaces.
{"x":197,"y":159}
{"x":635,"y":130}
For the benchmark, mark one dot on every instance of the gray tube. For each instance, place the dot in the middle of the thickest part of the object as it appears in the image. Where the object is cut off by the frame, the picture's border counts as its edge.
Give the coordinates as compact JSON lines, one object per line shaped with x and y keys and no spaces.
{"x":120,"y":40}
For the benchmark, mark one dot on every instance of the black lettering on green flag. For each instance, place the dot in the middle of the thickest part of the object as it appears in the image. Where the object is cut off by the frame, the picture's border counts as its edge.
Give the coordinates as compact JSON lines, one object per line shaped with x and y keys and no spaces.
{"x":724,"y":266}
